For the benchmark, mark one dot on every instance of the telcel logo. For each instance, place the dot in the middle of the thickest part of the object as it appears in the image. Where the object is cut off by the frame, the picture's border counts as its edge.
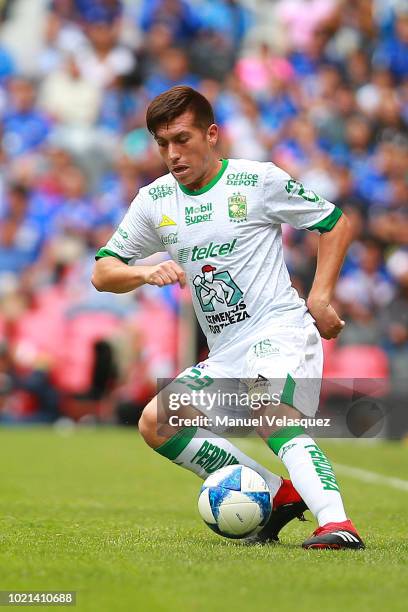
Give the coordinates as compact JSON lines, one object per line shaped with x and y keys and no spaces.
{"x":212,"y":250}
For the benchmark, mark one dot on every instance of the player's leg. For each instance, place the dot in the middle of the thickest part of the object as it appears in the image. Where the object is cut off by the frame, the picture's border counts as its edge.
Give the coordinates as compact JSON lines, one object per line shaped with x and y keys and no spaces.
{"x":309,"y":469}
{"x":313,"y":477}
{"x":202,"y":452}
{"x":197,"y":449}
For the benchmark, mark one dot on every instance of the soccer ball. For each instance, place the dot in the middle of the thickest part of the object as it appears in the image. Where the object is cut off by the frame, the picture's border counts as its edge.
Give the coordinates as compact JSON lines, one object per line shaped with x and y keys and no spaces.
{"x":235,"y":502}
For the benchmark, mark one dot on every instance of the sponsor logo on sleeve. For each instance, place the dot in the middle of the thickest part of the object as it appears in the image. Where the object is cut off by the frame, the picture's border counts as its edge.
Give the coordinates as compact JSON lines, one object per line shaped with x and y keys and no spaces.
{"x":118,"y":244}
{"x":161,"y":191}
{"x":122,"y":232}
{"x":296,"y":188}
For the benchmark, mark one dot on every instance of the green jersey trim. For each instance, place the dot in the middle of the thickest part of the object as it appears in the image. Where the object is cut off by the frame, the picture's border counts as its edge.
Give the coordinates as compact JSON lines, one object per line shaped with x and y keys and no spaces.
{"x":327,"y":224}
{"x":210,"y":185}
{"x":173,"y":447}
{"x":108,"y":253}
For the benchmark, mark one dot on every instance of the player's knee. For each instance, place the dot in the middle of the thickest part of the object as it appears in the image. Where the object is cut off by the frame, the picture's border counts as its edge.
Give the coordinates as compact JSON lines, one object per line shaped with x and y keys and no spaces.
{"x":148,"y":424}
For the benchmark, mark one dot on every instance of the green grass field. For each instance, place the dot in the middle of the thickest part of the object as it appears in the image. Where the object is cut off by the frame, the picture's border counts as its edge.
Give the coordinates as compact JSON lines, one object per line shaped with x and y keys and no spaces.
{"x":97,"y":512}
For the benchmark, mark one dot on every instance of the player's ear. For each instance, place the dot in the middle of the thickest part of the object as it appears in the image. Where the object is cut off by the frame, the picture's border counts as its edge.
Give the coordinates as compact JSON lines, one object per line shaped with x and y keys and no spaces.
{"x":212,"y":135}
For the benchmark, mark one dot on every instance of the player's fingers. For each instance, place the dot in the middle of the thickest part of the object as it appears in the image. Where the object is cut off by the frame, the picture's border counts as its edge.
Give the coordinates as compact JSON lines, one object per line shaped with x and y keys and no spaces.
{"x":325,"y":332}
{"x":182,"y":278}
{"x":178,"y":270}
{"x":169,"y":273}
{"x":330,"y":329}
{"x":156,"y":279}
{"x":167,"y":278}
{"x":333,"y":321}
{"x":334,"y":330}
{"x":160,"y":278}
{"x":179,"y":277}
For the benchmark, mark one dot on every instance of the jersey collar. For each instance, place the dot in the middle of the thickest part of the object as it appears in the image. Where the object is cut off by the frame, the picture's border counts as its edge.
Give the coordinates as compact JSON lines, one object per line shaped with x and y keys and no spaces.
{"x":214,"y":181}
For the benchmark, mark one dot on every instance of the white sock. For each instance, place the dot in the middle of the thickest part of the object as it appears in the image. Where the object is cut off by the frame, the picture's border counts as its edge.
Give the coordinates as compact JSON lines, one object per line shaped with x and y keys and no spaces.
{"x":313,"y":477}
{"x":203,"y":452}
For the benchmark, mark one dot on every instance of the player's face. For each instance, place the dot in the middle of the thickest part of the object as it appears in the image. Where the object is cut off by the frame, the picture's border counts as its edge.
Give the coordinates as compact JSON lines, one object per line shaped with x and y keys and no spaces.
{"x":188,"y":150}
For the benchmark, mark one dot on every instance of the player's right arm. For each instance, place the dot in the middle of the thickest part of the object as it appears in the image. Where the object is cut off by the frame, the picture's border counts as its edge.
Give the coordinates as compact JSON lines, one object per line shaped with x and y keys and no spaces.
{"x":135,"y":238}
{"x":111,"y":274}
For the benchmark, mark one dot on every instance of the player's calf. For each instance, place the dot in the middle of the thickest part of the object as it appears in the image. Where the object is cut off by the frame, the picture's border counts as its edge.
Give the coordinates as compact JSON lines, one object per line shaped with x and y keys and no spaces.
{"x":148,"y":425}
{"x":196,"y":449}
{"x":311,"y":473}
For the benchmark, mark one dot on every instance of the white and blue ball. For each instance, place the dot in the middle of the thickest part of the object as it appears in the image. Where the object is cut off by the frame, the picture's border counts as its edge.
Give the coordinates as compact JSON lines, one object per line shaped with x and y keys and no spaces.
{"x":235,"y":501}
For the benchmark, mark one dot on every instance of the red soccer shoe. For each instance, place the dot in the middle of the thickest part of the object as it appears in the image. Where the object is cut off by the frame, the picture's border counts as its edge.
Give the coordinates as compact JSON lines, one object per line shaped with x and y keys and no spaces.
{"x":335,"y":536}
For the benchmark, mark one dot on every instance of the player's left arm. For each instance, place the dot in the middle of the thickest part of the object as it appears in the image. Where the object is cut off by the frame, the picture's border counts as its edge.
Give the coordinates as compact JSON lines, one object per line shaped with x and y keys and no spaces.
{"x":288,"y":201}
{"x":332,"y":249}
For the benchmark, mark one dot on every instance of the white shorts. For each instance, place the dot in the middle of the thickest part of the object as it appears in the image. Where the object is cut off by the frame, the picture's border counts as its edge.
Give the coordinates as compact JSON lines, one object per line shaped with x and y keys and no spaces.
{"x":285,"y":360}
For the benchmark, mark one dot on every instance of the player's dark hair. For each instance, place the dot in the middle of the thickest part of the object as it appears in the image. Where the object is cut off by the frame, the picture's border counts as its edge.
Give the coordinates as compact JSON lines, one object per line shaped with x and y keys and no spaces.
{"x":172,"y":103}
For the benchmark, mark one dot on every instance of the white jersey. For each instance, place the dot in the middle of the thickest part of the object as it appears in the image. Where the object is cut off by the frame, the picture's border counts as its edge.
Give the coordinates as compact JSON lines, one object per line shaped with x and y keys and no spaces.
{"x":227,"y":237}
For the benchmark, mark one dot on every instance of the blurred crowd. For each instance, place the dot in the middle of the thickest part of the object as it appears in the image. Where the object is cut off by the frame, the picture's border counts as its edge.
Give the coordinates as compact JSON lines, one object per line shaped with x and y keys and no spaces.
{"x":320,"y":87}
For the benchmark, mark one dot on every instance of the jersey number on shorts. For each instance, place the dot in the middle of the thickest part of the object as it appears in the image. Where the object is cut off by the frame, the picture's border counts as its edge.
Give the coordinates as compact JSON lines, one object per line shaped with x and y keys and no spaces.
{"x":194,"y":380}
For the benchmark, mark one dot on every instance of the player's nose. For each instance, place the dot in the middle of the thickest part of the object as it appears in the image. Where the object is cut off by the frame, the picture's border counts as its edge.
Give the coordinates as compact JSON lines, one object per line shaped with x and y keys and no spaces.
{"x":173,"y":153}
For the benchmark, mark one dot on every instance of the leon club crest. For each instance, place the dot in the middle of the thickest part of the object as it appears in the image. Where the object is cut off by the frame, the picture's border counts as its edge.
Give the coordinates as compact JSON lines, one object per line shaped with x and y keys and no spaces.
{"x":237,"y":207}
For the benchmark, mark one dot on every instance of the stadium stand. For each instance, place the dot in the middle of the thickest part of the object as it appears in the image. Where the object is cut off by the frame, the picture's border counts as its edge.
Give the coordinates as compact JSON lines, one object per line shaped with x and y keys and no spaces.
{"x":328,"y":102}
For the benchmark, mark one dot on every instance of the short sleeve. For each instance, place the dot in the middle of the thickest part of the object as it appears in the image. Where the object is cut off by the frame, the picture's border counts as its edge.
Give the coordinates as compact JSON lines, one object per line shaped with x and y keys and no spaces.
{"x":135,"y":236}
{"x":288,"y":201}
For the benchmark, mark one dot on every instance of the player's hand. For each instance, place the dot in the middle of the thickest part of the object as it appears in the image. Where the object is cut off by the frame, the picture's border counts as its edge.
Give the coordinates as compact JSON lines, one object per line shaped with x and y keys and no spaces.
{"x":327,"y":320}
{"x":165,"y":273}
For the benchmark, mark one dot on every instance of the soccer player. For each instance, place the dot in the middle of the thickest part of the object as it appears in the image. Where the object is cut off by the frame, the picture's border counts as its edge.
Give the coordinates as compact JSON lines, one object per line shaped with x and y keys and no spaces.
{"x":220,"y":221}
